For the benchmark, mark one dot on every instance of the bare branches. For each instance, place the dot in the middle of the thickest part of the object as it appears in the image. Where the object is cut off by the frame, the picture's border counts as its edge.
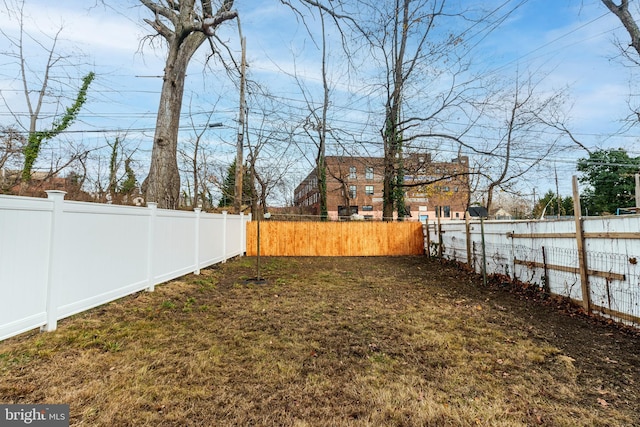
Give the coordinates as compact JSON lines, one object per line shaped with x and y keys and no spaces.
{"x":622,"y":12}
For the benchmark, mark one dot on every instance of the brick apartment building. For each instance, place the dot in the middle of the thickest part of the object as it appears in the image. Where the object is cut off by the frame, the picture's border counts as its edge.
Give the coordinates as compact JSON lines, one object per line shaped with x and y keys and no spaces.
{"x":354,"y":186}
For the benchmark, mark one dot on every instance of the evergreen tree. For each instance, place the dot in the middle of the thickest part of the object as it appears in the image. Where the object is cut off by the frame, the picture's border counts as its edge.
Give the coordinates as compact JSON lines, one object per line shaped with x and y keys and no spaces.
{"x":610,"y":176}
{"x":228,"y":187}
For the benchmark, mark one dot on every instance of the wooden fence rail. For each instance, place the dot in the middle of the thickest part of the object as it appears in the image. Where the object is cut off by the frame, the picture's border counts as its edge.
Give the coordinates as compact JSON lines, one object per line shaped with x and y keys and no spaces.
{"x":349,"y":238}
{"x":594,"y":261}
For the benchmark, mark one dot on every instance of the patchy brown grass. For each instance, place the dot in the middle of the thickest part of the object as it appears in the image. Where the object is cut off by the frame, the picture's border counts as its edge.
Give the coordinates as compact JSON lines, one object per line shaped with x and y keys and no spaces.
{"x":328,"y":342}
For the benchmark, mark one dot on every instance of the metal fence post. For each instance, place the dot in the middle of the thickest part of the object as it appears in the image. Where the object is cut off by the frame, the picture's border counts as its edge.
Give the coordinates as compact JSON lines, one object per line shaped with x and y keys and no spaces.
{"x":55,"y":251}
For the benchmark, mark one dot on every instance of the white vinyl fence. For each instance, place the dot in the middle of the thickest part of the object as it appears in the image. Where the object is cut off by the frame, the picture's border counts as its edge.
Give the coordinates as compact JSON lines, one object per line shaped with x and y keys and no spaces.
{"x":596,"y":264}
{"x":58,"y":258}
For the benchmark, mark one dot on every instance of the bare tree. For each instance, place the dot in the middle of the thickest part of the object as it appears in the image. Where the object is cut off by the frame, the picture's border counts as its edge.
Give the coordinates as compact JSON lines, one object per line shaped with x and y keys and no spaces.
{"x":421,"y":46}
{"x":196,"y":159}
{"x":184,"y":25}
{"x":11,"y":146}
{"x":630,"y":22}
{"x":626,"y":18}
{"x":43,"y":95}
{"x":267,"y":144}
{"x":316,"y":125}
{"x":110,"y":171}
{"x":533,"y":126}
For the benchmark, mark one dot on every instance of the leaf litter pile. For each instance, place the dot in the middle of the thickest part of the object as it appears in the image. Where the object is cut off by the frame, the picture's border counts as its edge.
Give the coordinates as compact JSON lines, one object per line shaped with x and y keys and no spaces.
{"x":398,"y":341}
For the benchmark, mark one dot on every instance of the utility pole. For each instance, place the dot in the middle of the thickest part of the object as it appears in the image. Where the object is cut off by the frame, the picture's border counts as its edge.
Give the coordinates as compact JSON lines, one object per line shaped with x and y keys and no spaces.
{"x":237,"y":200}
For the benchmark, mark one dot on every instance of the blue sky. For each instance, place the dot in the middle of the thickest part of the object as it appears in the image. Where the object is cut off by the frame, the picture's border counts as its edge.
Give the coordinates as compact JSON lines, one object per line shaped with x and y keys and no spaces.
{"x":571,"y":41}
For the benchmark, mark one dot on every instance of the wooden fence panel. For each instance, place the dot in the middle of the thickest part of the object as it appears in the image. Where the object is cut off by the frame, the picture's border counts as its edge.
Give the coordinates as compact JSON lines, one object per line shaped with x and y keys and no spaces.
{"x":279,"y":238}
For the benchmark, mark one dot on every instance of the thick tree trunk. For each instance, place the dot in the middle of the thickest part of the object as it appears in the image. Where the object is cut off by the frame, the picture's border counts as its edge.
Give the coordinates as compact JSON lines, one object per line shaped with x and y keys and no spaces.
{"x":163,"y":181}
{"x":387,"y":188}
{"x":162,"y":185}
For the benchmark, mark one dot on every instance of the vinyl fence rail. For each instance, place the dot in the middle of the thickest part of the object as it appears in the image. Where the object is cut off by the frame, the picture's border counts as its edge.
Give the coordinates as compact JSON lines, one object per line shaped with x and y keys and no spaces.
{"x":594,"y":261}
{"x":59,"y":258}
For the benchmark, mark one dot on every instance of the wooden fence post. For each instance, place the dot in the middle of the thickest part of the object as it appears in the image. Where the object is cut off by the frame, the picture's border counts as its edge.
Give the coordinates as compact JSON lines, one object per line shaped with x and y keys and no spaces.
{"x":546,"y":287}
{"x":426,"y":225}
{"x":582,"y":257}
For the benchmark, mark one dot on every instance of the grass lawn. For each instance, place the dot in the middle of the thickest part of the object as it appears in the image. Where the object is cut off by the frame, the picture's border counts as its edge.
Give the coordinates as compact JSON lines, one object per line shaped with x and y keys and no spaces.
{"x":403,"y":341}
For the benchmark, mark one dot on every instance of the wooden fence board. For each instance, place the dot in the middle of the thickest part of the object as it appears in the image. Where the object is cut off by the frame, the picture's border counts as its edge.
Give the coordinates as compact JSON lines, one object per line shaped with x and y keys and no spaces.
{"x":367,"y":238}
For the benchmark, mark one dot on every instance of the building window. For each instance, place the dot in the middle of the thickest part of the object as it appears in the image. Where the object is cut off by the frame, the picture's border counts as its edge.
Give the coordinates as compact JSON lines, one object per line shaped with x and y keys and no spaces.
{"x":352,"y":172}
{"x":443,"y":211}
{"x":367,"y":208}
{"x":368,"y":173}
{"x":368,"y":190}
{"x":352,"y":191}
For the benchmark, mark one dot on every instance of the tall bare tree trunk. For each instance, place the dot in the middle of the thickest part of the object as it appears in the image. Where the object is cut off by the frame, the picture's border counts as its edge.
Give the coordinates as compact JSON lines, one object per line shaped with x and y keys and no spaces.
{"x":189,"y":31}
{"x":392,"y":132}
{"x":163,"y":181}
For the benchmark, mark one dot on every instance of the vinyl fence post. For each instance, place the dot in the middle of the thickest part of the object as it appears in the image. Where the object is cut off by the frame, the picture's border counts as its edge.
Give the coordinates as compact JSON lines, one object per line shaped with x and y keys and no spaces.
{"x":243,"y":235}
{"x":55,"y":251}
{"x":224,"y":236}
{"x":438,"y":214}
{"x":582,"y":256}
{"x":153,"y":211}
{"x":484,"y":253}
{"x":467,"y":225}
{"x":197,"y":240}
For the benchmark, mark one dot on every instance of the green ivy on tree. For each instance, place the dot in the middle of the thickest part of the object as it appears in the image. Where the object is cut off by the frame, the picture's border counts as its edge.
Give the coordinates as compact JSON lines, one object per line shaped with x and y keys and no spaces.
{"x":130,"y":182}
{"x":32,"y":150}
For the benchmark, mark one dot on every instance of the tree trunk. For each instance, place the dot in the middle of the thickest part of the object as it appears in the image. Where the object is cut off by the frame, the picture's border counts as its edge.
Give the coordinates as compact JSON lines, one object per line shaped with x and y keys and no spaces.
{"x":162,"y":185}
{"x":163,"y":181}
{"x":625,"y":17}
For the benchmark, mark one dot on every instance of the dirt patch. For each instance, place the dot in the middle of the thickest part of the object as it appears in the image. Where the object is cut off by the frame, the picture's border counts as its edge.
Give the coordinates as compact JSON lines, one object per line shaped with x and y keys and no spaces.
{"x":402,"y":341}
